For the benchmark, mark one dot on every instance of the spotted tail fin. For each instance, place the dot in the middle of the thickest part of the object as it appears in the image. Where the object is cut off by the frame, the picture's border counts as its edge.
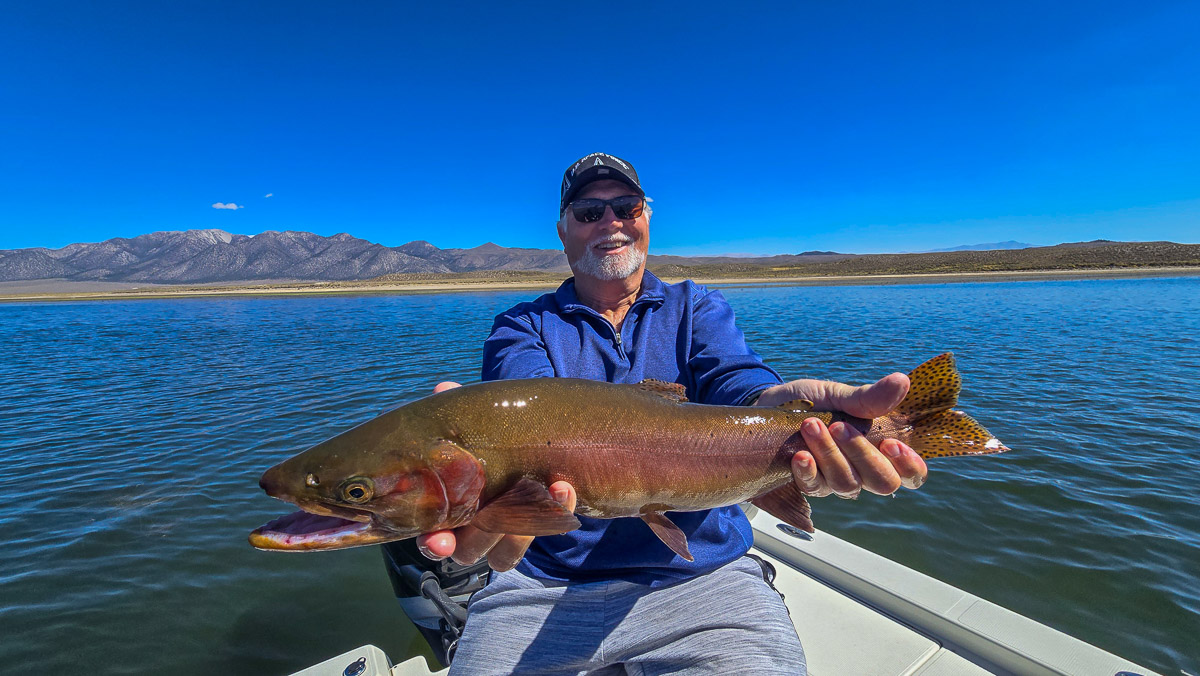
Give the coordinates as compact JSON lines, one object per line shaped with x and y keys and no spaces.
{"x":925,"y":421}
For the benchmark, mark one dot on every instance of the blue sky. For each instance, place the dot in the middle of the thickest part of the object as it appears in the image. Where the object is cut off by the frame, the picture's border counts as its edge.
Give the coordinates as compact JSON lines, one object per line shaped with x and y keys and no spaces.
{"x":756,"y":128}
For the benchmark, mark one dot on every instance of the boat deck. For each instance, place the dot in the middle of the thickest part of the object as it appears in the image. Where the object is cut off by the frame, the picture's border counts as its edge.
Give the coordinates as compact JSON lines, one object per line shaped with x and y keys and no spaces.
{"x":859,"y":613}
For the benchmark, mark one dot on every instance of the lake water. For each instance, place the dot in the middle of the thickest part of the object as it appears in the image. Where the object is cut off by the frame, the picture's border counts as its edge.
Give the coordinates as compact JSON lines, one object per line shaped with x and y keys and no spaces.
{"x":132,"y":435}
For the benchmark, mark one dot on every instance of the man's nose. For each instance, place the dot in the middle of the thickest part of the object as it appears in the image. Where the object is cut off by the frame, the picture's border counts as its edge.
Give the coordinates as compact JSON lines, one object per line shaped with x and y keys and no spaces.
{"x":610,"y":217}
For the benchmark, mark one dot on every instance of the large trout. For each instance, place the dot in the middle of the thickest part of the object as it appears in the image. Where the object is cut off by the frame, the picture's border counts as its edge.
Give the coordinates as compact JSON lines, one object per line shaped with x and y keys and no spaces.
{"x":485,"y":454}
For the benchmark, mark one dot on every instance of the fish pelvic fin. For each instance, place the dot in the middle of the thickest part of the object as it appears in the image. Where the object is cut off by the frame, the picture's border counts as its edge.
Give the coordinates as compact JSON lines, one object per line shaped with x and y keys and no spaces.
{"x":668,"y":532}
{"x":925,"y":421}
{"x":787,"y":504}
{"x":525,"y":509}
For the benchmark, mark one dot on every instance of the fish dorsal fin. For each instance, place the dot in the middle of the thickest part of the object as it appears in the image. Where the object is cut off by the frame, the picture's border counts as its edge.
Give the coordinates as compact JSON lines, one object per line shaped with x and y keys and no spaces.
{"x":525,"y":509}
{"x":668,"y":532}
{"x":935,"y":387}
{"x":673,"y":391}
{"x":796,"y":406}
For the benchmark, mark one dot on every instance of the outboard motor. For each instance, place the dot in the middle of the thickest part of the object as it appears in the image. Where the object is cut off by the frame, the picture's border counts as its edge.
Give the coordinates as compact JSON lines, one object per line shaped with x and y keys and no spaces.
{"x":433,"y":594}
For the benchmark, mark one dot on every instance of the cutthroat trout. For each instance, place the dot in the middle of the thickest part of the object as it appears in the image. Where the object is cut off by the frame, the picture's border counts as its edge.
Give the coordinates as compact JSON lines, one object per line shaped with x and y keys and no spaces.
{"x":485,"y":454}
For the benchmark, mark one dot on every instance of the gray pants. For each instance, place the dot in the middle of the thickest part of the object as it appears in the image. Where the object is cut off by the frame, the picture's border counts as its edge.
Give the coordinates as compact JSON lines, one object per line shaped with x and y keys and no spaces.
{"x":726,"y":622}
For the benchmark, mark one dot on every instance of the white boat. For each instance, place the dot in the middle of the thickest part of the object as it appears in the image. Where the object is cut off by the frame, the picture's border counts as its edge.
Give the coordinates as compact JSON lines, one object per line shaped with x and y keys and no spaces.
{"x":860,"y":613}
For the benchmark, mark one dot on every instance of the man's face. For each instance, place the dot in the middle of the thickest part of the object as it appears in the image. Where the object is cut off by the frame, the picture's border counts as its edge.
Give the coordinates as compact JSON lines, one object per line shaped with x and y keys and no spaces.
{"x":610,"y":248}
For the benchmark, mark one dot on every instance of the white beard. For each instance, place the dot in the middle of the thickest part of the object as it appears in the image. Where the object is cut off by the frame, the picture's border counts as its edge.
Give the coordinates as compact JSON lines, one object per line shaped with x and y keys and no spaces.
{"x":610,"y":268}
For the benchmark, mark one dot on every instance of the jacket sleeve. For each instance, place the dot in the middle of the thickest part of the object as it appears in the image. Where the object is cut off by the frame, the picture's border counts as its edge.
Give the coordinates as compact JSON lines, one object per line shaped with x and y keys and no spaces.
{"x":724,"y":368}
{"x":515,"y":350}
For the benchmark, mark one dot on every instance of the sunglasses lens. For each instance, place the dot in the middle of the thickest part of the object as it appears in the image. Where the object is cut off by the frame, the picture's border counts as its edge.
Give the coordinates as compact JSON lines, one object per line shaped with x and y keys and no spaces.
{"x":629,"y":206}
{"x":587,"y":211}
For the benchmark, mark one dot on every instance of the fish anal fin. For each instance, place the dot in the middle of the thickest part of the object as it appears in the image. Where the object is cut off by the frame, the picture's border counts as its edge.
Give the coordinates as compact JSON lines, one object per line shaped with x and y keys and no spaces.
{"x":669,"y":533}
{"x":673,"y":391}
{"x":787,"y":504}
{"x":796,"y":406}
{"x":525,"y":509}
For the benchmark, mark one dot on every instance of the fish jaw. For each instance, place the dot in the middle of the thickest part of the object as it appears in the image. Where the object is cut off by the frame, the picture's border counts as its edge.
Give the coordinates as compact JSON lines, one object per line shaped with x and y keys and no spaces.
{"x":311,"y":531}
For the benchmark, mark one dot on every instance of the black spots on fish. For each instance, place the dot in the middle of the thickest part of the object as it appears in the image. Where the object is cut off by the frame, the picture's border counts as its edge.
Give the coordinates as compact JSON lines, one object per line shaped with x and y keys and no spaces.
{"x":951,"y":433}
{"x":935,"y":387}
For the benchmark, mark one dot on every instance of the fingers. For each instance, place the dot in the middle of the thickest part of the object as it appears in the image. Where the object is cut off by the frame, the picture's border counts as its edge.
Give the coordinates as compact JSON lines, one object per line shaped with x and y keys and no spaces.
{"x":473,"y":544}
{"x":877,"y":474}
{"x":846,"y":462}
{"x":832,"y":464}
{"x":806,"y":475}
{"x":443,"y":386}
{"x":908,"y":464}
{"x":437,"y":545}
{"x":508,"y":552}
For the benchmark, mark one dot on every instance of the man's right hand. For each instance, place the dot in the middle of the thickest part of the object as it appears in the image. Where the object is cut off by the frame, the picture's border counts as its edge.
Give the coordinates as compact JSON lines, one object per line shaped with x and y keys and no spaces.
{"x":467,"y":544}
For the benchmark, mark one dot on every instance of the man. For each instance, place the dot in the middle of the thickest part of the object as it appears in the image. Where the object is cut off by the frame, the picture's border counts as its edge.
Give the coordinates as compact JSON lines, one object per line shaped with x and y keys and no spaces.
{"x":610,"y":597}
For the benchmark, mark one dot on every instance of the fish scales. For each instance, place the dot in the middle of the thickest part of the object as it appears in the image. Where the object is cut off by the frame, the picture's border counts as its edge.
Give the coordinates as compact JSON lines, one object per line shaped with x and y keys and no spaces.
{"x":655,"y":451}
{"x":485,"y":454}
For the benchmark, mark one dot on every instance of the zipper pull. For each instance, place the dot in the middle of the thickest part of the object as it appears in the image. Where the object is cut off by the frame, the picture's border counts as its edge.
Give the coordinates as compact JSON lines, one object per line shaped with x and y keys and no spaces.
{"x":617,"y":334}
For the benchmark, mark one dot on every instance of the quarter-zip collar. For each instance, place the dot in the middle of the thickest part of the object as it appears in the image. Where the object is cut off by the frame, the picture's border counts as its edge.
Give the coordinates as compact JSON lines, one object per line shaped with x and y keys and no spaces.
{"x":653,"y":292}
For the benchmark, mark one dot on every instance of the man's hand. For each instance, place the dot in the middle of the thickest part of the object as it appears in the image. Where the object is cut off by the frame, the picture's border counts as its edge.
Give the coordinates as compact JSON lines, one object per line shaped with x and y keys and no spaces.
{"x":467,"y":544}
{"x":840,"y":460}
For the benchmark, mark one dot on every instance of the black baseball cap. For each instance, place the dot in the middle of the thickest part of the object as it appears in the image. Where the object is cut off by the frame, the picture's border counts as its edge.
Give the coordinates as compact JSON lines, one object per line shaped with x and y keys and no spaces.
{"x":595,"y":167}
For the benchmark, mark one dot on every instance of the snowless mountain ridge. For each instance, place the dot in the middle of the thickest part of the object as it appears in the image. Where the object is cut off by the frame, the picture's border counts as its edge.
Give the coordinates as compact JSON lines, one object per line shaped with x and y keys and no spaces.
{"x":217,"y":256}
{"x":205,"y":256}
{"x":198,"y":256}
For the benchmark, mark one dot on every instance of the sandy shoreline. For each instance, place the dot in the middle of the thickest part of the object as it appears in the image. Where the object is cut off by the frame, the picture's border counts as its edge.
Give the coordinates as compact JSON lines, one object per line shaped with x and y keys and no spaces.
{"x":60,"y":291}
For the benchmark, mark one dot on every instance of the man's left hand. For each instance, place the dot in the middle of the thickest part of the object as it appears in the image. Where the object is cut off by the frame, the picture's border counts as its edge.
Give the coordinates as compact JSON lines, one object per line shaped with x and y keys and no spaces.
{"x":840,"y":460}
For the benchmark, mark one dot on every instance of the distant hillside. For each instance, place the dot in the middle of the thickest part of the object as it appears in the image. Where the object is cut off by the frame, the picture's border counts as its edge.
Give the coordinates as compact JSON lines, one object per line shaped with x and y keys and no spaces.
{"x":199,"y":256}
{"x":1099,"y":254}
{"x":1010,"y":244}
{"x":216,"y":256}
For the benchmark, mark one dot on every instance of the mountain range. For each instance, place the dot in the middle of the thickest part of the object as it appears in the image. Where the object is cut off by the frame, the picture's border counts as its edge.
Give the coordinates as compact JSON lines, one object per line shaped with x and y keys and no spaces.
{"x":206,"y":256}
{"x":216,"y":256}
{"x":991,"y":246}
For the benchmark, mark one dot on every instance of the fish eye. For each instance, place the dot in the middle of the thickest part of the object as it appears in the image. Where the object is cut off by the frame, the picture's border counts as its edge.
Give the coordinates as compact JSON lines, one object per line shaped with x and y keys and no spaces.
{"x":357,"y":491}
{"x":312,"y":480}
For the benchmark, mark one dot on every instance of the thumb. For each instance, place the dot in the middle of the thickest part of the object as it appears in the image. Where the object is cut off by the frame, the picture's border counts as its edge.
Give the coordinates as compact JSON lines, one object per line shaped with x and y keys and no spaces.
{"x":565,"y":494}
{"x":878,"y":398}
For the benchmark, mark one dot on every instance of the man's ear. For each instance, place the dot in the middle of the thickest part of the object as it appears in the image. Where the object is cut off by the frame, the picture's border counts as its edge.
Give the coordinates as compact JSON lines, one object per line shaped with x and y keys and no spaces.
{"x":561,"y":227}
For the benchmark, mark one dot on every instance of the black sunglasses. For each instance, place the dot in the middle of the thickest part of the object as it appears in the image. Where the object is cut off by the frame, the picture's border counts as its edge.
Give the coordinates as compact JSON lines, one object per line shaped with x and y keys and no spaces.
{"x":591,"y":210}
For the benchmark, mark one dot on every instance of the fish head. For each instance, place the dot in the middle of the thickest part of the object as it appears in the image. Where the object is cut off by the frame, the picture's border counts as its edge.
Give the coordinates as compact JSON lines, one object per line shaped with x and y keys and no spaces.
{"x":353,"y":493}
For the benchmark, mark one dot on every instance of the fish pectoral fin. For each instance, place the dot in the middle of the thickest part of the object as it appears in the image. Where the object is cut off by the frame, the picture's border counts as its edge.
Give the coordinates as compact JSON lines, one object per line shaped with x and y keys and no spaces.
{"x":668,"y":532}
{"x":796,"y":406}
{"x":525,"y":509}
{"x":673,"y":391}
{"x":787,"y":504}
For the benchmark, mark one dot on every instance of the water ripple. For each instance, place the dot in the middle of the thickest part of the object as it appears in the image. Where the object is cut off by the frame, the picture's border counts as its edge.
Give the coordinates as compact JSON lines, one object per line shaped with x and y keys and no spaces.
{"x":134,"y":432}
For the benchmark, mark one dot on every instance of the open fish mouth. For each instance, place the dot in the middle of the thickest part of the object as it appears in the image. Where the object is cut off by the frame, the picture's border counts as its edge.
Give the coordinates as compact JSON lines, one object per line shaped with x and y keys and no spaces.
{"x":319,"y":526}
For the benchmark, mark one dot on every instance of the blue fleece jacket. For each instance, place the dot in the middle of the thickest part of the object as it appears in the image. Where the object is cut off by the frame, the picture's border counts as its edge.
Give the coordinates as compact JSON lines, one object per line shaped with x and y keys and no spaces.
{"x":682,"y":333}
